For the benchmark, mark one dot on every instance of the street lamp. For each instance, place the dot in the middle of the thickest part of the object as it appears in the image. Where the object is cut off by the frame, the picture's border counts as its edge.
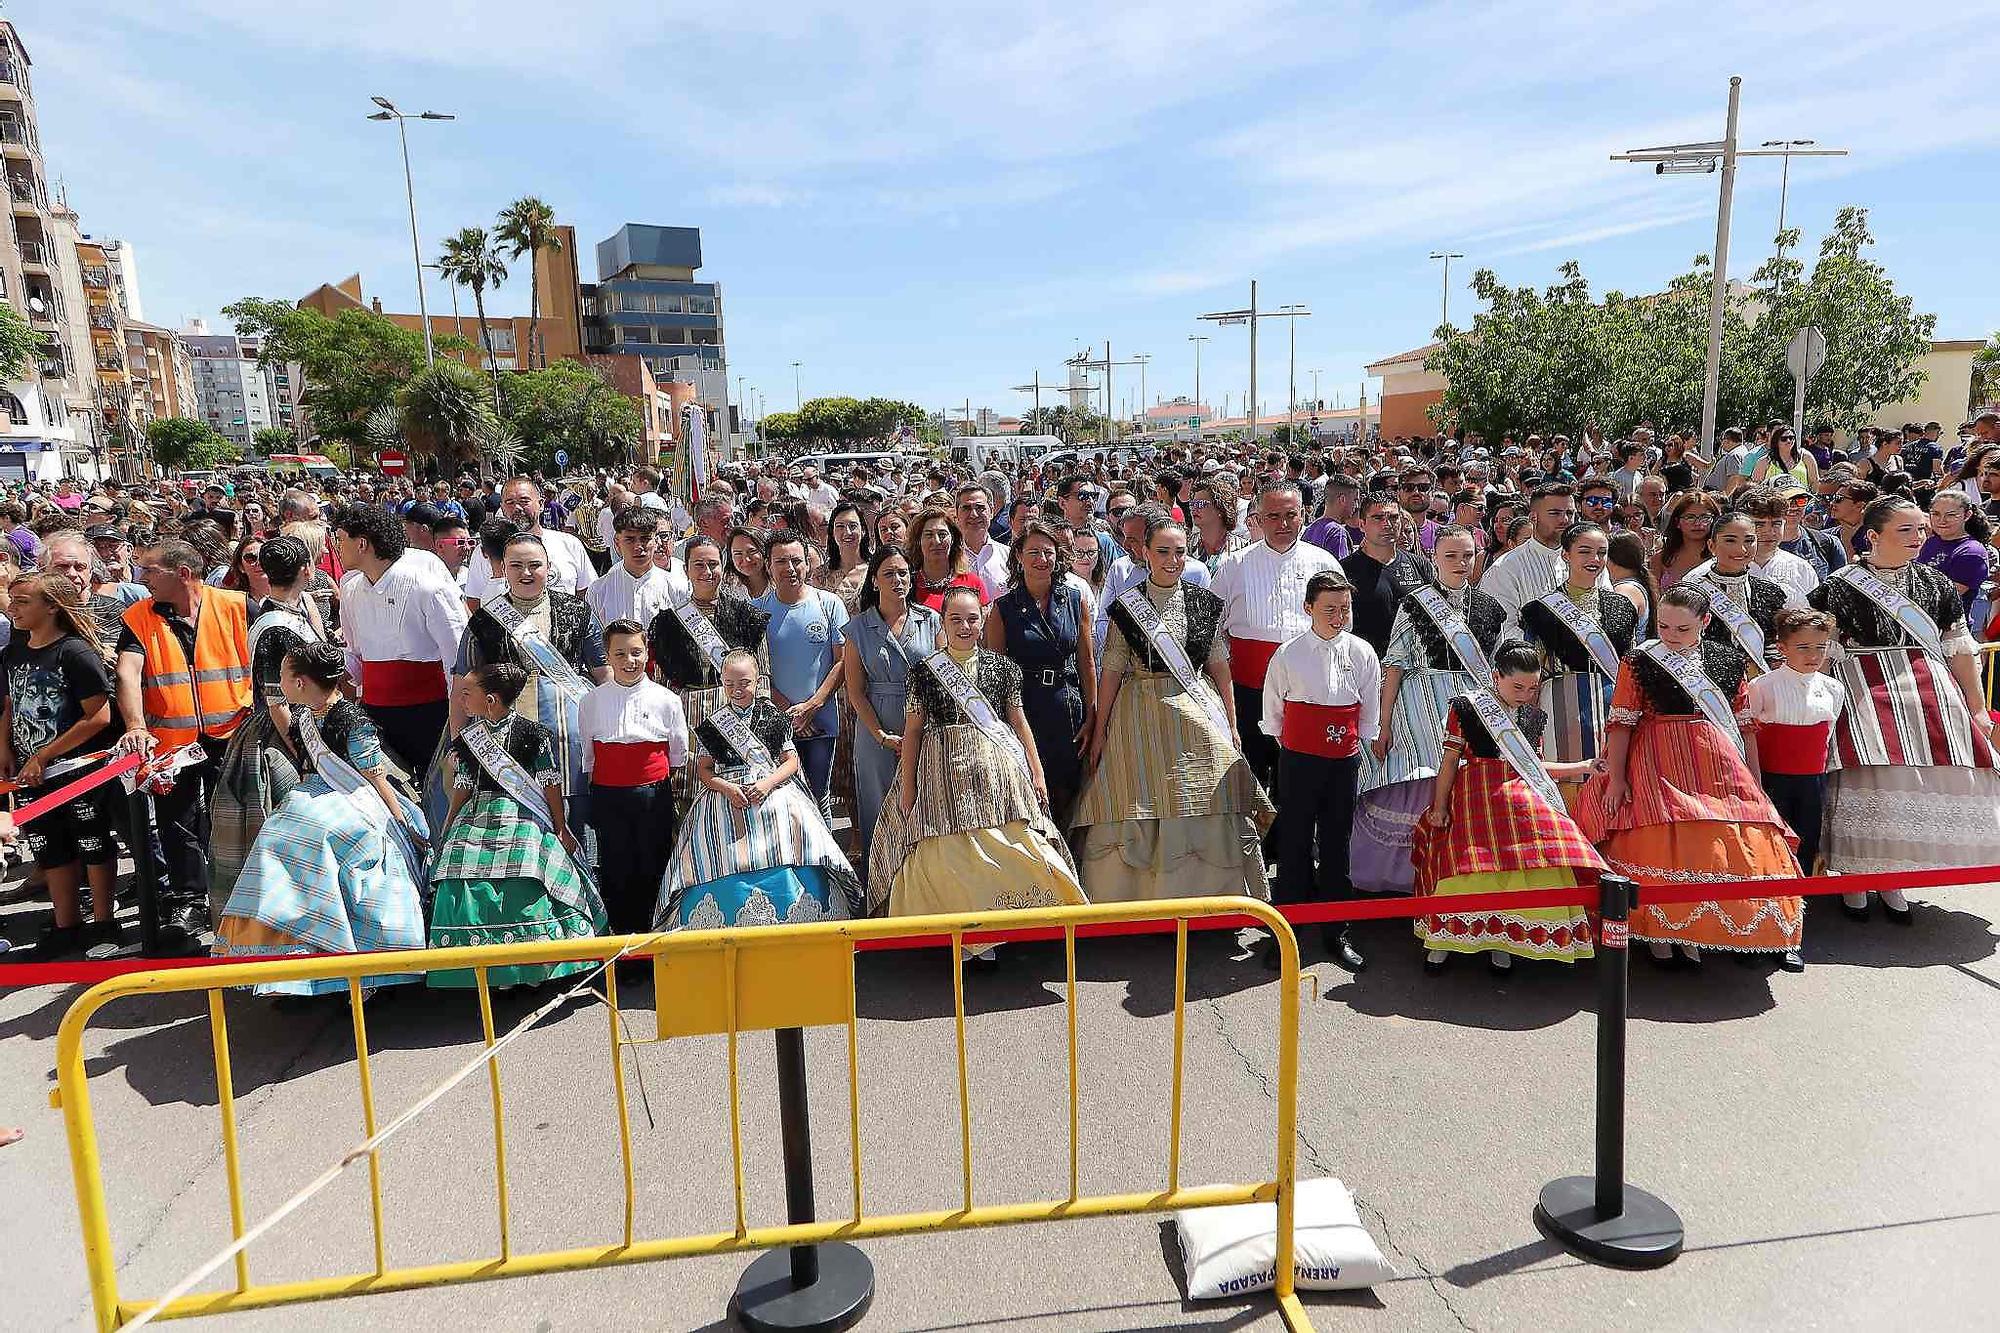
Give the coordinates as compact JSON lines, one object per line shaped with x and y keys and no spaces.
{"x":1786,"y":148}
{"x":1197,"y":339}
{"x":1294,"y":313}
{"x":1690,"y":159}
{"x":1083,"y":360}
{"x":1447,"y":256}
{"x":798,"y":400}
{"x":1142,"y":358}
{"x":389,"y":112}
{"x":1248,"y":316}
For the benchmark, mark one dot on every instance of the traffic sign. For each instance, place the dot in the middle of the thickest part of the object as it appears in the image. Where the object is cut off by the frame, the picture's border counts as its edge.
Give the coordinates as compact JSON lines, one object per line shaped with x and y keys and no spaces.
{"x":1194,"y":423}
{"x":562,"y":458}
{"x":393,"y":462}
{"x":1806,"y":353}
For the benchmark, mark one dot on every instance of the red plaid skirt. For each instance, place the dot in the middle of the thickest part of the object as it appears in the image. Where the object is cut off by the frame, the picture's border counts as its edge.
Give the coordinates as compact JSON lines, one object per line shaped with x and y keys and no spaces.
{"x":1498,"y":823}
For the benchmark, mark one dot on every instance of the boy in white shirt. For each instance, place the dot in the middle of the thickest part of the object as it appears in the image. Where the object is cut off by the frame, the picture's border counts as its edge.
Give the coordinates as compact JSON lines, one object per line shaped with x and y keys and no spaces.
{"x":634,"y":734}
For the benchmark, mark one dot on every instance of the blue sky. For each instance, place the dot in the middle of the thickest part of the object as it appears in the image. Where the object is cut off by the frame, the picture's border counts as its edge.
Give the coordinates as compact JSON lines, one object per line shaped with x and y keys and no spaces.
{"x":933,"y":201}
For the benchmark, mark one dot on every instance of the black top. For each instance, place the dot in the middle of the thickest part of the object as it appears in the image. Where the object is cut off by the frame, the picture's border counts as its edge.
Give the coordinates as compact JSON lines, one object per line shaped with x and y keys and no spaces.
{"x":1545,"y":627}
{"x":47,"y":687}
{"x":1378,"y":589}
{"x":1723,"y":663}
{"x":1767,"y":598}
{"x":266,"y":664}
{"x":337,"y":729}
{"x":1864,"y":625}
{"x":682,"y":663}
{"x":998,"y":678}
{"x":528,"y":743}
{"x":1483,"y":616}
{"x":767,"y":722}
{"x":1204,"y":617}
{"x":573,"y":630}
{"x":1479,"y":741}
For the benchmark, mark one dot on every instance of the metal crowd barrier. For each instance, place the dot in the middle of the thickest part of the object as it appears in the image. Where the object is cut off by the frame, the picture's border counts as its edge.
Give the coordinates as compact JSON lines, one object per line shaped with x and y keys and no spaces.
{"x":727,"y":982}
{"x":1989,"y":671}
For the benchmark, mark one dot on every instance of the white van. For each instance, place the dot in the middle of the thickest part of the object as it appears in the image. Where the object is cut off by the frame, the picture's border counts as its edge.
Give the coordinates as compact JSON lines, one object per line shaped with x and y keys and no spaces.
{"x":984,"y":451}
{"x":830,"y":464}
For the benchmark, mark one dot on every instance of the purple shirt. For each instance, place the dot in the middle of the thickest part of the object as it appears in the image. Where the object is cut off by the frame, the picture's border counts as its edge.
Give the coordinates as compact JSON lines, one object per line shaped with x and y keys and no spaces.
{"x":1330,"y":535}
{"x":1962,"y":561}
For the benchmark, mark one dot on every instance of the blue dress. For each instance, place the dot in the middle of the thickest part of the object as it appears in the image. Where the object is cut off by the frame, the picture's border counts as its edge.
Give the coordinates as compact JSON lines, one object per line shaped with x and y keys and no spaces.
{"x":1044,"y":644}
{"x":885,"y":664}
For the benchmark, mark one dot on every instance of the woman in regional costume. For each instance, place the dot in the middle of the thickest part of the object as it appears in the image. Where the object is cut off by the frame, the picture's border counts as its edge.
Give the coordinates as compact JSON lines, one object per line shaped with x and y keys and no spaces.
{"x":1678,"y":801}
{"x":1583,"y":631}
{"x":555,"y":638}
{"x":755,"y":850}
{"x":844,"y":573}
{"x":1170,"y":808}
{"x":888,"y":635}
{"x":970,"y":829}
{"x":257,"y":771}
{"x":689,"y":639}
{"x":506,"y":870}
{"x":1439,"y":647}
{"x":338,"y":867}
{"x":1496,"y":824}
{"x":1042,"y":625}
{"x":1743,"y":607}
{"x":1915,"y":787}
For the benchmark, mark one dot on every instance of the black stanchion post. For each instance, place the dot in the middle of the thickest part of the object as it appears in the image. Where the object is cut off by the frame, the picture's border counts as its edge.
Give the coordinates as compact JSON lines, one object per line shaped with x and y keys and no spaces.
{"x":1602,"y":1218}
{"x":808,"y":1288}
{"x":139,"y":812}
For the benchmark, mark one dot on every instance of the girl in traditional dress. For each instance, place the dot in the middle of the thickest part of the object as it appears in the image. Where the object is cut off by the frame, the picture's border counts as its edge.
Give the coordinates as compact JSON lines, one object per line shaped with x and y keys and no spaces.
{"x":1916,"y":787}
{"x":555,"y":638}
{"x":883,"y":640}
{"x":1496,"y":824}
{"x":1169,"y":806}
{"x":970,"y":829}
{"x":937,"y":560}
{"x":688,"y":640}
{"x":257,"y":771}
{"x":1042,"y":625}
{"x":1583,"y":631}
{"x":1439,"y":646}
{"x":1678,"y":801}
{"x":338,"y":867}
{"x":755,"y":849}
{"x":506,"y":870}
{"x":1743,"y":607}
{"x":1795,"y":707}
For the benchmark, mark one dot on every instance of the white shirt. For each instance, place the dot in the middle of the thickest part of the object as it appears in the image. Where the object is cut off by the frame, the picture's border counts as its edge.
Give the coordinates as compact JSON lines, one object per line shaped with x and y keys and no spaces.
{"x":1264,"y":593}
{"x":990,"y":563}
{"x":1792,"y":699}
{"x":1522,"y":575}
{"x":606,"y":533}
{"x":822,"y":495}
{"x":413,"y":613}
{"x":632,"y":714}
{"x":1336,"y":671}
{"x":570,"y":569}
{"x":1788,"y":571}
{"x":619,"y":596}
{"x":652,"y":500}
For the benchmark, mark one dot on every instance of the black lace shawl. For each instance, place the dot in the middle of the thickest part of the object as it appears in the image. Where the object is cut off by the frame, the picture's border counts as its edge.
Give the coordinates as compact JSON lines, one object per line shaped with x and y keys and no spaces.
{"x":1864,"y":625}
{"x":1204,"y":617}
{"x":998,"y":678}
{"x":1483,"y":616}
{"x":1479,"y":741}
{"x":1767,"y":598}
{"x":767,"y":722}
{"x":1723,"y":663}
{"x":1621,"y":626}
{"x":336,"y":728}
{"x":570,"y":620}
{"x":528,"y":741}
{"x":681,"y":662}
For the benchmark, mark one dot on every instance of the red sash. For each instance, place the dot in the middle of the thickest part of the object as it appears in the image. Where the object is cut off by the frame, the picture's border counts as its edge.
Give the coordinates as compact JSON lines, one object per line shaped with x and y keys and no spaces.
{"x":628,"y":763}
{"x":1249,"y":659}
{"x":1331,"y":731}
{"x":398,"y":684}
{"x":1792,"y":749}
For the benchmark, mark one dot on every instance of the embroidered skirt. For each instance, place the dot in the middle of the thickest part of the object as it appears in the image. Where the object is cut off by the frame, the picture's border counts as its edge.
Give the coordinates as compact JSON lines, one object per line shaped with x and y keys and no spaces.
{"x":772,"y":862}
{"x":1396,"y":791}
{"x":499,"y":878}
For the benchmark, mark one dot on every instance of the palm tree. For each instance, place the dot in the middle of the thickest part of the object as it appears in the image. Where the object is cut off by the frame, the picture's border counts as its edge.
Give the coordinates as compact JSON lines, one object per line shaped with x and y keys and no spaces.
{"x":527,"y":227}
{"x":471,"y":260}
{"x":442,"y":411}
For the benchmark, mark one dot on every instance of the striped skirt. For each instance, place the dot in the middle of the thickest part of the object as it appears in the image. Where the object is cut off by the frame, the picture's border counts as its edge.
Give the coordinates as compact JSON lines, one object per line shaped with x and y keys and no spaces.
{"x":1396,"y":791}
{"x":772,"y":862}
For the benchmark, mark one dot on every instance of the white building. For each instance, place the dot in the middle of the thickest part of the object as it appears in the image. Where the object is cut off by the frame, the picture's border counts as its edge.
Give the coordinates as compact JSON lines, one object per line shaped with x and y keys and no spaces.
{"x":234,"y":394}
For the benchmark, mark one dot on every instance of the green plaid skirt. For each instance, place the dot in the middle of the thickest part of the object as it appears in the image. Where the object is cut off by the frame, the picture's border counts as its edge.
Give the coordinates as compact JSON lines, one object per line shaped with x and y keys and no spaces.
{"x":501,"y":880}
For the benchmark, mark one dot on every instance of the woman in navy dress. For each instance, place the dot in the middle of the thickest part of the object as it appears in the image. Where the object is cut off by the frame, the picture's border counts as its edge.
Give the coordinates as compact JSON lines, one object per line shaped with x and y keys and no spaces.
{"x":1039,"y":625}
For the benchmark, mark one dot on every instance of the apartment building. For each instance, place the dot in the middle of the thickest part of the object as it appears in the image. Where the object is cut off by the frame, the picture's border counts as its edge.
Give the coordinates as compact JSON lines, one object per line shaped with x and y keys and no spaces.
{"x":647,"y":303}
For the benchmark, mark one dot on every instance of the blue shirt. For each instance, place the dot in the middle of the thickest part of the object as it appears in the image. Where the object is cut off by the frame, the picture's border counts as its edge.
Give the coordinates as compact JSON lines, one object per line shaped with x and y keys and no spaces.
{"x":803,"y":638}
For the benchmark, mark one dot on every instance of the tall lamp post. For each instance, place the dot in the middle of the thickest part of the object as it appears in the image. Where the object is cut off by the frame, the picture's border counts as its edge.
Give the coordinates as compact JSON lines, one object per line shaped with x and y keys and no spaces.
{"x":389,"y":112}
{"x":1786,"y":148}
{"x":1447,"y":256}
{"x":1197,"y":339}
{"x":1247,"y":315}
{"x":1294,"y":313}
{"x":1697,"y":159}
{"x":798,"y":399}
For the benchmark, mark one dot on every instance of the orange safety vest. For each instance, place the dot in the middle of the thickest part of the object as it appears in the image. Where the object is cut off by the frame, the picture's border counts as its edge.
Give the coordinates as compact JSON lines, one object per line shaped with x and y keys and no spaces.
{"x":211,"y":699}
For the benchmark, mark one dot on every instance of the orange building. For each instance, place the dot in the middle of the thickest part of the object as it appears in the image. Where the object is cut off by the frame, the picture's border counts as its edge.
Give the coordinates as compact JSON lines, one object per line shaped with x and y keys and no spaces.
{"x":1408,"y":392}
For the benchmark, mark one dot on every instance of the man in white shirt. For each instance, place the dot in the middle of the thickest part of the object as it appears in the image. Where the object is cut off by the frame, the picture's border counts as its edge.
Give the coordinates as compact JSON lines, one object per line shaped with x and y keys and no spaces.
{"x":402,"y":617}
{"x":1536,"y":565}
{"x":570,"y":569}
{"x":635,"y":588}
{"x":819,"y":494}
{"x":983,"y":556}
{"x":1263,"y":592}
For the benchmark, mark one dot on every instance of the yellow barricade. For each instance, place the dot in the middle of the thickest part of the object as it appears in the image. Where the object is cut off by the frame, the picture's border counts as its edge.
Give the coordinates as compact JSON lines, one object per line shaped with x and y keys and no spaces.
{"x":1989,"y":673}
{"x":706,"y":983}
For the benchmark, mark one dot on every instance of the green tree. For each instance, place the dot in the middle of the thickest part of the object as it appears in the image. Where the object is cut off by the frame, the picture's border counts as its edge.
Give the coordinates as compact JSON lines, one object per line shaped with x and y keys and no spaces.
{"x":1066,"y":423}
{"x":445,"y":412}
{"x":20,"y":345}
{"x":274,"y":440}
{"x":573,"y":407}
{"x":354,"y":362}
{"x":780,"y":427}
{"x":1986,"y":374}
{"x":182,"y":443}
{"x":527,"y":227}
{"x":470,"y":260}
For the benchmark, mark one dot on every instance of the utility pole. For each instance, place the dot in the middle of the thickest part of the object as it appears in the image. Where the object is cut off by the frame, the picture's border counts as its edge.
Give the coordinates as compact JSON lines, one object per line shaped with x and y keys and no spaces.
{"x":1142,"y":358}
{"x":798,"y":399}
{"x":1294,"y":313}
{"x":389,"y":112}
{"x":1786,"y":148}
{"x":1197,"y":339}
{"x":1250,"y":316}
{"x":1447,"y":256}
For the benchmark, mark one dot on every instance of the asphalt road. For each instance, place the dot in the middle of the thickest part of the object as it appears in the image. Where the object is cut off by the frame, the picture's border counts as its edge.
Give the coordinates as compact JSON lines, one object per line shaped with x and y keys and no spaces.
{"x":1828,"y":1138}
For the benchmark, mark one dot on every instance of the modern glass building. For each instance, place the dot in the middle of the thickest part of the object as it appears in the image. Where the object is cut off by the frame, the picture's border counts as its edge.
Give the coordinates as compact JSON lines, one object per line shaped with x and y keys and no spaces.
{"x":647,"y":303}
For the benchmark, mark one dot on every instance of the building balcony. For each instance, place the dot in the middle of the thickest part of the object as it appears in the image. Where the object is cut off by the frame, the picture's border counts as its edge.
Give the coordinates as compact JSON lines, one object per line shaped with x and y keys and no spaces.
{"x":103,"y":317}
{"x":110,"y":360}
{"x":17,"y":138}
{"x":14,"y":74}
{"x":96,"y":275}
{"x":27,"y":194}
{"x":34,"y":254}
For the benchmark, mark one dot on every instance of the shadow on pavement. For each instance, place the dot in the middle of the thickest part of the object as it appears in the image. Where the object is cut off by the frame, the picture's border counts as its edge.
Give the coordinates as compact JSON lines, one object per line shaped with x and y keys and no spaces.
{"x":1936,"y":935}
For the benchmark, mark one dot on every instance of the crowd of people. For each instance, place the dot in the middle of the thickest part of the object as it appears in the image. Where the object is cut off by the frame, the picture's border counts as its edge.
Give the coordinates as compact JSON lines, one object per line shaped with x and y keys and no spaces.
{"x":408,"y":713}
